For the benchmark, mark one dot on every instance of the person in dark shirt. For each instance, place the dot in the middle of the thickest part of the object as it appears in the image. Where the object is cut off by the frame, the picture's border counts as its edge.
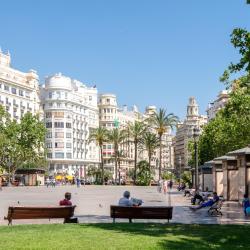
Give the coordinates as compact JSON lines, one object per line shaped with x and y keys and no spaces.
{"x":208,"y":203}
{"x":66,"y":201}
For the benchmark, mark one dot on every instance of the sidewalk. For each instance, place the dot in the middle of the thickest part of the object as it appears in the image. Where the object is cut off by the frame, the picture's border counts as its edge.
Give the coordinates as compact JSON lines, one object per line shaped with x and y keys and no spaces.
{"x":232,"y":212}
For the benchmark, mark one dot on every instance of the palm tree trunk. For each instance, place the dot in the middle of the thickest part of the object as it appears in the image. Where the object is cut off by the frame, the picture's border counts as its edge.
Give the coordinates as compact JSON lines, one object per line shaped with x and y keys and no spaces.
{"x":160,"y":158}
{"x":102,"y":165}
{"x":116,"y":164}
{"x":135,"y":166}
{"x":119,"y":167}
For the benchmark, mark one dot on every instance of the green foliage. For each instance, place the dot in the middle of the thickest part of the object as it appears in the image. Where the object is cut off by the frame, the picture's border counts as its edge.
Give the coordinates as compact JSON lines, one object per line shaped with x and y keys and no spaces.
{"x":150,"y":142}
{"x":191,"y":153}
{"x":240,"y":38}
{"x":187,"y":177}
{"x":168,"y":176}
{"x":116,"y":137}
{"x":229,"y":130}
{"x":100,"y":136}
{"x":97,"y":174}
{"x":144,"y":174}
{"x":161,"y":121}
{"x":21,"y":143}
{"x":135,"y":132}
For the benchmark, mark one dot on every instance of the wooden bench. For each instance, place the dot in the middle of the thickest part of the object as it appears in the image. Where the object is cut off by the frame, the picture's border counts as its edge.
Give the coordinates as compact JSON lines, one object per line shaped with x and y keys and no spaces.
{"x":143,"y":212}
{"x":32,"y":212}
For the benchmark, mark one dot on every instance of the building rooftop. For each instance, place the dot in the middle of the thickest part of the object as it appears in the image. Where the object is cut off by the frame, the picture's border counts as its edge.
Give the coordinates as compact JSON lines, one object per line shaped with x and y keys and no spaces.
{"x":245,"y":151}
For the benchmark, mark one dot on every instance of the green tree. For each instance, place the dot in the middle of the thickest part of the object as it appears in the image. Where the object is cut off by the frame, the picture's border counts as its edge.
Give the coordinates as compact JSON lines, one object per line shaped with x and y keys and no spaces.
{"x":135,"y":134}
{"x":21,"y":143}
{"x":161,"y":121}
{"x":229,"y":130}
{"x":116,"y":137}
{"x":100,"y":136}
{"x":144,"y":174}
{"x":150,"y":142}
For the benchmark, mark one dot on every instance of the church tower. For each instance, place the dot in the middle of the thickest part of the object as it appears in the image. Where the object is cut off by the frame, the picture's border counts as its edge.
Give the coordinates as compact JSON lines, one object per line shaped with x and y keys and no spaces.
{"x":192,"y":108}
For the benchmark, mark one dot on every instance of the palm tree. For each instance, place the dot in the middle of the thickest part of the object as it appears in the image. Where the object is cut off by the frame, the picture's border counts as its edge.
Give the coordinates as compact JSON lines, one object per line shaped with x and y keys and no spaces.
{"x":136,"y":131}
{"x":161,"y":121}
{"x":116,"y":137}
{"x":150,"y":142}
{"x":100,"y":136}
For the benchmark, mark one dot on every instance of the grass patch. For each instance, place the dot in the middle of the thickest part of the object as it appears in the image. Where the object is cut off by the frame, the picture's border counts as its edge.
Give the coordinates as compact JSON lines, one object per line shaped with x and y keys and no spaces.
{"x":125,"y":236}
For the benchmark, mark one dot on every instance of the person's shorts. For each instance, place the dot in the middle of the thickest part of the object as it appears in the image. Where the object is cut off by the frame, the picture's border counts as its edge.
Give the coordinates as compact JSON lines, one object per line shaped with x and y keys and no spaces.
{"x":248,"y":210}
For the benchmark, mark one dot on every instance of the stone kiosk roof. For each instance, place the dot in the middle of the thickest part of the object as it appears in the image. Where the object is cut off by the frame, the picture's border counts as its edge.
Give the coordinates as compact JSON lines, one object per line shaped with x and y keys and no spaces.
{"x":241,"y":151}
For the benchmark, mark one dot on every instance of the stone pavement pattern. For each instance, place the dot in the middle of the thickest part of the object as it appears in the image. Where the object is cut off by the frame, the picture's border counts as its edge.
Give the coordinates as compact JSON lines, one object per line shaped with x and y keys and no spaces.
{"x":93,"y":203}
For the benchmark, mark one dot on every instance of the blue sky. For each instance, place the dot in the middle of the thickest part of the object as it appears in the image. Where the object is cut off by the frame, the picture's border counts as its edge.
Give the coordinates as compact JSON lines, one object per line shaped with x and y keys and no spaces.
{"x":146,"y":51}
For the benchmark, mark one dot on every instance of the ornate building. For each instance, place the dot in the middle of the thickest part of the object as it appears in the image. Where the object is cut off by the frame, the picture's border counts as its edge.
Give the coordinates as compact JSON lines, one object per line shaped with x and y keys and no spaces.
{"x":19,"y":91}
{"x":70,"y":111}
{"x":217,"y":104}
{"x":184,"y":133}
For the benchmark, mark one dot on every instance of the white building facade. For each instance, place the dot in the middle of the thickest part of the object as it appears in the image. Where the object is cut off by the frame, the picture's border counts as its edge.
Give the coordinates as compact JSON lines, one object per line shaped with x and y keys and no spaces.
{"x":185,"y":132}
{"x":70,"y":112}
{"x":218,"y":104}
{"x":19,"y":91}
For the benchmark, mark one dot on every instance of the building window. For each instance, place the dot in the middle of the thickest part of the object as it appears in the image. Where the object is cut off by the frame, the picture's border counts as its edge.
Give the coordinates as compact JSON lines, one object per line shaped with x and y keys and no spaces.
{"x":59,"y":145}
{"x":59,"y":155}
{"x":49,"y":155}
{"x":20,"y":92}
{"x":13,"y":91}
{"x":48,"y":115}
{"x":59,"y":124}
{"x":49,"y":145}
{"x":68,"y":125}
{"x":90,"y":98}
{"x":68,"y":145}
{"x":49,"y":135}
{"x":48,"y":124}
{"x":6,"y":88}
{"x":69,"y":155}
{"x":59,"y":135}
{"x":50,"y":95}
{"x":58,"y":114}
{"x":68,"y":135}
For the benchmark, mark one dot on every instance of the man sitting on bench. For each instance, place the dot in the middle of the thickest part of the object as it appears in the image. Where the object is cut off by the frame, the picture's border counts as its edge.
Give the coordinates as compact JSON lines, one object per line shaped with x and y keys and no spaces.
{"x":209,"y":203}
{"x":66,"y":201}
{"x":125,"y":201}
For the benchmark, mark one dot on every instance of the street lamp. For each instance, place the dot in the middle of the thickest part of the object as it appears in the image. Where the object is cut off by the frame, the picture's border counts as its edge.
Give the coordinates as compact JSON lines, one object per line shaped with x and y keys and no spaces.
{"x":196,"y":133}
{"x":179,"y":161}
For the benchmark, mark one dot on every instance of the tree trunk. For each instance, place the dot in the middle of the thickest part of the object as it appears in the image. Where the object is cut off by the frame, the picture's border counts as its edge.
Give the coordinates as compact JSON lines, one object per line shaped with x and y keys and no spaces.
{"x":116,"y":150}
{"x":119,"y":167}
{"x":102,"y":165}
{"x":135,"y":166}
{"x":160,"y":157}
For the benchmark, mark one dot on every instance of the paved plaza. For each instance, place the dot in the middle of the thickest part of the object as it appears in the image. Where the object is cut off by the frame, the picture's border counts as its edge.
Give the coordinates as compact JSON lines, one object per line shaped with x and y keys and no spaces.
{"x":93,"y":203}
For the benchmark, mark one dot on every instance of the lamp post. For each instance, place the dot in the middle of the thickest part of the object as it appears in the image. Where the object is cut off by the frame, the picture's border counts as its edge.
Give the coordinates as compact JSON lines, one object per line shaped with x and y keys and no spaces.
{"x":196,"y":133}
{"x":179,"y":161}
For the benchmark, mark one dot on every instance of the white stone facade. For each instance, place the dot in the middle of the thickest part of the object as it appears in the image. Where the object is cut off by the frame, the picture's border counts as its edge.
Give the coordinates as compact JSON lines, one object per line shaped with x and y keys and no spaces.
{"x":184,"y":134}
{"x":70,"y":111}
{"x":19,"y":91}
{"x":112,"y":116}
{"x":217,"y":104}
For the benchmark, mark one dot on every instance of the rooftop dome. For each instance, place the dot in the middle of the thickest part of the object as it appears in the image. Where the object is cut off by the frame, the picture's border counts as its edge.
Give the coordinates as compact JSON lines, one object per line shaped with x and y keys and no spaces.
{"x":58,"y":81}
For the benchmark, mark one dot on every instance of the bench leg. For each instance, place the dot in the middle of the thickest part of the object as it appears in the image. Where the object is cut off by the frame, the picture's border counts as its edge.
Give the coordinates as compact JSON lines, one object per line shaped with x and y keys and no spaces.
{"x":130,"y":220}
{"x":113,"y":220}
